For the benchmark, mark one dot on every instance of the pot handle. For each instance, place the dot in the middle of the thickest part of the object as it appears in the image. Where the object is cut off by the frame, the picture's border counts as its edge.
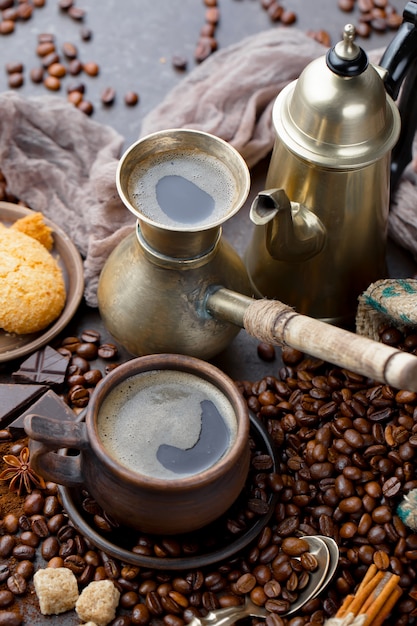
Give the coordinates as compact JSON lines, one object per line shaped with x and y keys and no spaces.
{"x":400,"y":61}
{"x":46,"y":437}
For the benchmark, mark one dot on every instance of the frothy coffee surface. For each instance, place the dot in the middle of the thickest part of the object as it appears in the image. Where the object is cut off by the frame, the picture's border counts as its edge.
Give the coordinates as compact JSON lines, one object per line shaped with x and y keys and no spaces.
{"x":187,"y":188}
{"x":166,"y":424}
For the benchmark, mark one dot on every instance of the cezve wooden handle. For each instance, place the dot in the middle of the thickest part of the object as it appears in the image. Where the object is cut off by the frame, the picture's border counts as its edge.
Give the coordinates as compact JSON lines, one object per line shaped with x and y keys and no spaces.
{"x":273,"y":322}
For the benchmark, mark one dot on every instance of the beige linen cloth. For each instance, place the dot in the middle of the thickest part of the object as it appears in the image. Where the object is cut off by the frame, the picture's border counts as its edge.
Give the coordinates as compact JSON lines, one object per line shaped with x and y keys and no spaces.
{"x":60,"y":162}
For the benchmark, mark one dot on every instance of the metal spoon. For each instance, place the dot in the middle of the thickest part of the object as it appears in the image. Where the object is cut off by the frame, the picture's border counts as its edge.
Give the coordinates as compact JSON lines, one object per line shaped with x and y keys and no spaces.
{"x":231,"y":614}
{"x":334,"y":561}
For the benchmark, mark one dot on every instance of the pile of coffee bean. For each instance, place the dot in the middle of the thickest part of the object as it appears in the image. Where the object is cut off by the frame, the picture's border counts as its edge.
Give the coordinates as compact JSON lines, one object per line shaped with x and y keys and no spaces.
{"x":81,"y":378}
{"x":347,"y":456}
{"x":42,"y":536}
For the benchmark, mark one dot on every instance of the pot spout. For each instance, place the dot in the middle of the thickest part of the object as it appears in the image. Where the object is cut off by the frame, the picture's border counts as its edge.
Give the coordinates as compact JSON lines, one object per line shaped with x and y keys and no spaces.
{"x":292,"y":231}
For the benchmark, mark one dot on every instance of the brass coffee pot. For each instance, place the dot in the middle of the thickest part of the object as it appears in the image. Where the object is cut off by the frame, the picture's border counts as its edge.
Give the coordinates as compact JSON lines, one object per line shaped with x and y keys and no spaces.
{"x":321,"y":223}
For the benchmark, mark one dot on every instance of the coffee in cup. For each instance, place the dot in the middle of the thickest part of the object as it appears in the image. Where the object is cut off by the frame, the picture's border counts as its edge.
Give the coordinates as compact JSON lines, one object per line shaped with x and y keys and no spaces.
{"x":164,"y":447}
{"x":166,"y":424}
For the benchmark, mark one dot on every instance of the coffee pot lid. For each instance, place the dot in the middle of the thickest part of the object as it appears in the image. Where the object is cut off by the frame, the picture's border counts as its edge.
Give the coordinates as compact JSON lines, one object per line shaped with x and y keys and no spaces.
{"x":338,"y":113}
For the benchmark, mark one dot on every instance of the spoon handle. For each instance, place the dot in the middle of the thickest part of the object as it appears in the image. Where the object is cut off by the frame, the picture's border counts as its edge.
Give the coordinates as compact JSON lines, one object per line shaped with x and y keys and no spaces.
{"x":222,"y":617}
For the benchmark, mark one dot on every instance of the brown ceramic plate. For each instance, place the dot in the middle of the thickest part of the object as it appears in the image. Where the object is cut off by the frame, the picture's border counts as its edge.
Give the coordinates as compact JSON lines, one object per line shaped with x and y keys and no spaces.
{"x":118,"y":543}
{"x":15,"y":346}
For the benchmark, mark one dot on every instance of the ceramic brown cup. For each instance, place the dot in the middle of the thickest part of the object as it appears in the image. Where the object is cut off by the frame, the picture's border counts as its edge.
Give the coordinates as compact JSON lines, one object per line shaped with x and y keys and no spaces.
{"x":164,"y":447}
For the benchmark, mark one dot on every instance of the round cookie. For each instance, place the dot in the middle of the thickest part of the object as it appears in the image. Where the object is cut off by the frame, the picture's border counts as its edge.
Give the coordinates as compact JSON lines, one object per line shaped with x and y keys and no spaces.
{"x":32,"y":288}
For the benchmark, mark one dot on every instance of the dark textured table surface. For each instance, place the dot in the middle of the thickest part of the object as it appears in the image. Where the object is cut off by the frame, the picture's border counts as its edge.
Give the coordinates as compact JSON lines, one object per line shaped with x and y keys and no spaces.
{"x":133,"y":41}
{"x":134,"y":44}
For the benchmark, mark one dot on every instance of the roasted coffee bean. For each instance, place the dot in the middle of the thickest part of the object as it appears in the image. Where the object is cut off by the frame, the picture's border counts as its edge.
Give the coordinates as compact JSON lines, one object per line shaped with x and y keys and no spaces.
{"x":75,"y":67}
{"x":69,"y":50}
{"x":4,"y":572}
{"x":131,"y":98}
{"x":6,"y":27}
{"x":36,"y":74}
{"x":107,"y":351}
{"x":92,"y":377}
{"x":25,"y":568}
{"x":10,"y":618}
{"x":6,"y":598}
{"x":50,"y":548}
{"x":294,"y":546}
{"x":52,"y":83}
{"x":30,"y":538}
{"x":14,"y":67}
{"x":75,"y":563}
{"x":108,"y":96}
{"x":7,"y":543}
{"x":17,"y":584}
{"x":15,"y":79}
{"x":77,"y":13}
{"x":91,"y":68}
{"x":90,"y":335}
{"x":24,"y":552}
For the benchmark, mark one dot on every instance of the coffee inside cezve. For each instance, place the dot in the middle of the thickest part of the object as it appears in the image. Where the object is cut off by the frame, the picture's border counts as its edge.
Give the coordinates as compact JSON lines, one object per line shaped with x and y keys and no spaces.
{"x":180,"y":198}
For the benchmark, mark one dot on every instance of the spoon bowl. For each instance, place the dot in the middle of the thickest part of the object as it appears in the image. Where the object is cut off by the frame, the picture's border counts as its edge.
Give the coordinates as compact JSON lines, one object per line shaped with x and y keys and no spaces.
{"x":326,"y":553}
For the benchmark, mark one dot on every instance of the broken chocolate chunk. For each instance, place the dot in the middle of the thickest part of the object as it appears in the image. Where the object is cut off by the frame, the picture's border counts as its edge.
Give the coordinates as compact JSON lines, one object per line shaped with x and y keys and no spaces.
{"x":15,"y":398}
{"x":49,"y":405}
{"x":45,"y":366}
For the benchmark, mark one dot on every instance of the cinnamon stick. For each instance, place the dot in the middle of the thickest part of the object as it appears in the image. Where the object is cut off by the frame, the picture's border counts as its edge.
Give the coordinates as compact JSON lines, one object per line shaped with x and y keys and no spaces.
{"x":364,"y":593}
{"x":381,"y":599}
{"x":380,"y":617}
{"x":375,"y":593}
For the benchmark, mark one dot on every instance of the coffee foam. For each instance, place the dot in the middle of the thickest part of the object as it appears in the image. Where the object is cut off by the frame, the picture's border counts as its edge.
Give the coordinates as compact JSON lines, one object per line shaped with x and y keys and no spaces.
{"x":207,"y":172}
{"x":155,"y":408}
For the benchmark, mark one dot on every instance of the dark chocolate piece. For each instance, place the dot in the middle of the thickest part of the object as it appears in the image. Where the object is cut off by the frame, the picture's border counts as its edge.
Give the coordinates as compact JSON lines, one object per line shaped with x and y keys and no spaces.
{"x":15,"y":398}
{"x":49,"y":405}
{"x":45,"y":366}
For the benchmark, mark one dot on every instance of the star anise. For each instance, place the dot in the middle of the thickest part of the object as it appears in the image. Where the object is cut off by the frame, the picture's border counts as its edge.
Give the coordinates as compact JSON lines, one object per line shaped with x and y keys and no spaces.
{"x":22,"y":477}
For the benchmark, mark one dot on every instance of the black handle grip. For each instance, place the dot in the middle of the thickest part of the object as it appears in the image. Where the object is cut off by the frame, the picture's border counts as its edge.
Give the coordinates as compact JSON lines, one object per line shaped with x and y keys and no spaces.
{"x":401,"y":51}
{"x":400,"y":60}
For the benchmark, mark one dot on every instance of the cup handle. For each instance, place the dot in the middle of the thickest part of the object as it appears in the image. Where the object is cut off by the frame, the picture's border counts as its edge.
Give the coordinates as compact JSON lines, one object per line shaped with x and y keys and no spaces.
{"x":46,"y":437}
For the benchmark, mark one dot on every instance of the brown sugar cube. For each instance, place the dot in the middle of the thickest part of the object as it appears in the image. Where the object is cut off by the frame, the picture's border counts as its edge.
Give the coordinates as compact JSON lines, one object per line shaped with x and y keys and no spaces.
{"x":98,"y":602}
{"x":56,"y":589}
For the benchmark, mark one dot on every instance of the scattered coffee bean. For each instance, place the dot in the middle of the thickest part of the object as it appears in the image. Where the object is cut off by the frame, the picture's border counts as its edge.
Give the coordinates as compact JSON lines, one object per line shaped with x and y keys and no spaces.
{"x":108,"y":96}
{"x":75,"y":98}
{"x":85,"y":33}
{"x":69,"y":50}
{"x":75,"y":67}
{"x":65,"y":4}
{"x":36,"y":74}
{"x":131,"y":98}
{"x":86,"y":107}
{"x":77,"y":13}
{"x":52,"y":83}
{"x":15,"y":80}
{"x":12,"y":68}
{"x":91,"y":68}
{"x":179,"y":62}
{"x":266,"y":352}
{"x":45,"y":48}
